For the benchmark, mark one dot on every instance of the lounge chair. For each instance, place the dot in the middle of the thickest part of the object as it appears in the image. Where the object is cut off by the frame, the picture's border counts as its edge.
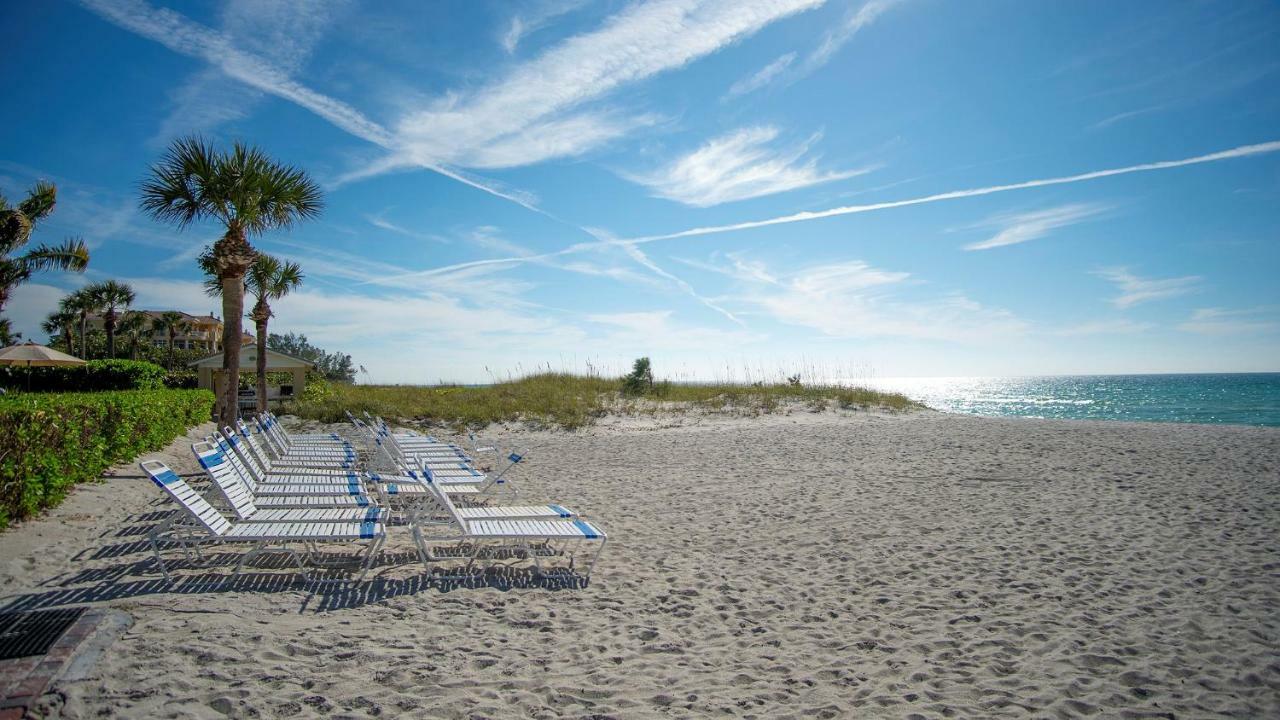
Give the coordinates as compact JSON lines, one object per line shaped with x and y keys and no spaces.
{"x":227,"y":472}
{"x":210,"y":525}
{"x":341,"y":457}
{"x":250,"y":444}
{"x":302,"y":439}
{"x":239,"y":498}
{"x":213,"y":455}
{"x":518,"y":539}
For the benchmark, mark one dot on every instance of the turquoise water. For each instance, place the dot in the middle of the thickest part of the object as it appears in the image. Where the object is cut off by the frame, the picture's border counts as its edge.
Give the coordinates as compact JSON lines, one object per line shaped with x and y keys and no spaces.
{"x":1237,"y":398}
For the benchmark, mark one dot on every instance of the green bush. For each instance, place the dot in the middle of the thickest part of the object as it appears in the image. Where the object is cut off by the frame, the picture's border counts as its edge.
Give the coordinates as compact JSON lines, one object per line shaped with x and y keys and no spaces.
{"x":51,"y":441}
{"x":181,"y":379}
{"x":640,"y":379}
{"x":93,"y":376}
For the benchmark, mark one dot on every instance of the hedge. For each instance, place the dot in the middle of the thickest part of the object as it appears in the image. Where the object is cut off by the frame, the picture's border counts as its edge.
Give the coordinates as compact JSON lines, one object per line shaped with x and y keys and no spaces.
{"x":51,"y":441}
{"x":93,"y":375}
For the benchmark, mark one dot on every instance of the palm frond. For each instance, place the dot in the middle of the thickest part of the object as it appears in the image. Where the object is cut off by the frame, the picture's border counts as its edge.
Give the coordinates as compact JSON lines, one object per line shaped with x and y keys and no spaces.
{"x":72,"y":255}
{"x":15,"y":230}
{"x":40,"y":201}
{"x":183,"y":186}
{"x":111,"y":294}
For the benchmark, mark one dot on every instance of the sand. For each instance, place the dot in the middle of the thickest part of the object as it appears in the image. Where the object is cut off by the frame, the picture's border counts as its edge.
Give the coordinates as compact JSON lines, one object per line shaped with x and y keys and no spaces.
{"x":802,"y":565}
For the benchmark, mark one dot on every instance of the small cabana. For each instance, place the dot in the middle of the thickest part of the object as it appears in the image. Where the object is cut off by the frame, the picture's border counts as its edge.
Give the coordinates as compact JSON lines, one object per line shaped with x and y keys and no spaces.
{"x":209,"y":371}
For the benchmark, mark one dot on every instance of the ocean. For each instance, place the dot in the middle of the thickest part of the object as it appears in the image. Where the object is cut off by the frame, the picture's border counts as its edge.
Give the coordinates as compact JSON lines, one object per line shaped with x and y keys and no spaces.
{"x":1235,"y":398}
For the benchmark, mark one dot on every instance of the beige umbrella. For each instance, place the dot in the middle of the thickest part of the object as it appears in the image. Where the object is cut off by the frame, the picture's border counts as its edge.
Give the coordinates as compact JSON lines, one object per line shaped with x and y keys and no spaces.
{"x":33,"y":355}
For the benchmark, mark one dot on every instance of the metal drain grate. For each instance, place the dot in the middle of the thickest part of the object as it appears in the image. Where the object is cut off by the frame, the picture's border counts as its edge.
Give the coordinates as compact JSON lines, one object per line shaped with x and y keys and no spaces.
{"x":23,"y":634}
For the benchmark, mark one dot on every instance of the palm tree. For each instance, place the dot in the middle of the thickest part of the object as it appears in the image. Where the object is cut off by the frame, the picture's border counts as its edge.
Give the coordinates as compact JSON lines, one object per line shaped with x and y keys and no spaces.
{"x":16,"y":224}
{"x":249,"y":193}
{"x":81,"y":304}
{"x":268,"y":279}
{"x":173,"y":323}
{"x":61,"y":322}
{"x":132,"y":325}
{"x":110,"y":296}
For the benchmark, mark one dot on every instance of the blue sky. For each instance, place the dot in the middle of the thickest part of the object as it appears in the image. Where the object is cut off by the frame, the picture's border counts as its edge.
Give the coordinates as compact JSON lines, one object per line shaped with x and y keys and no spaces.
{"x":866,"y":188}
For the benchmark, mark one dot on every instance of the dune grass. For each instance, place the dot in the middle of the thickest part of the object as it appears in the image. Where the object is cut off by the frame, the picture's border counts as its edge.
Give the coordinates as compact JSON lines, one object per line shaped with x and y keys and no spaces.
{"x":573,"y":401}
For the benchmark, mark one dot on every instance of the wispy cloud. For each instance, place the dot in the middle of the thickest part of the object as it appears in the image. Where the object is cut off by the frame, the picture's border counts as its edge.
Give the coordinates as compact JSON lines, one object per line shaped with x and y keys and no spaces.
{"x":1239,"y":152}
{"x":1244,"y":151}
{"x":1220,"y":321}
{"x":856,"y":300}
{"x":742,"y":164}
{"x":186,"y":37}
{"x":1120,"y":326}
{"x":656,"y":330}
{"x":533,"y":19}
{"x":1121,"y":117}
{"x":785,"y":69}
{"x":644,"y":261}
{"x":283,"y":32}
{"x":761,"y":77}
{"x":836,"y":38}
{"x":853,"y":299}
{"x":738,"y":268}
{"x":533,"y":112}
{"x":382,"y":223}
{"x":1023,"y":227}
{"x":1135,"y":290}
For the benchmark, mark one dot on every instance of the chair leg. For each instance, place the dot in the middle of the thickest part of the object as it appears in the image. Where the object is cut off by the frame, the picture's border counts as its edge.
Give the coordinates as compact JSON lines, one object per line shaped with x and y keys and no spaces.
{"x":155,"y":547}
{"x":587,"y":578}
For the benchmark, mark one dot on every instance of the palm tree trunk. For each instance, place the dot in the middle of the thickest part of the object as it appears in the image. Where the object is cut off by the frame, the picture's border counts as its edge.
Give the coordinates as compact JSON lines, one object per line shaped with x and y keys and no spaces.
{"x":232,"y":311}
{"x":261,"y":323}
{"x":172,"y":334}
{"x":84,"y":336}
{"x":109,"y":323}
{"x":69,"y":335}
{"x":234,"y":256}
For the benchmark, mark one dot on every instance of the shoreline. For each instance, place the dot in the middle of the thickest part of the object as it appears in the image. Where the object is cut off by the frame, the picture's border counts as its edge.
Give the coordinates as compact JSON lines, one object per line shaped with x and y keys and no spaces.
{"x":813,"y":564}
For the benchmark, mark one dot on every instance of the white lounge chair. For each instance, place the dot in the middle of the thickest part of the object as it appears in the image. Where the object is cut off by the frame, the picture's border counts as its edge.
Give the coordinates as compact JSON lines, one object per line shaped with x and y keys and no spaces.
{"x":518,"y":539}
{"x":254,"y":453}
{"x":344,"y":457}
{"x":214,"y":456}
{"x":229,"y":475}
{"x":205,"y":523}
{"x":291,"y":439}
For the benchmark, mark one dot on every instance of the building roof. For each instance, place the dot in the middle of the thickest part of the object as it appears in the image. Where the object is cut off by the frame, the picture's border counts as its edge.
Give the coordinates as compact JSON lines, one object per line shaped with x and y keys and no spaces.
{"x":157,"y":313}
{"x":249,"y":358}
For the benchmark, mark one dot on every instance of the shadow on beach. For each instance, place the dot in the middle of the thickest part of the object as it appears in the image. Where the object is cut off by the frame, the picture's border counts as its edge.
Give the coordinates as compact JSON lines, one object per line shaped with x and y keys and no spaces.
{"x":138,"y":576}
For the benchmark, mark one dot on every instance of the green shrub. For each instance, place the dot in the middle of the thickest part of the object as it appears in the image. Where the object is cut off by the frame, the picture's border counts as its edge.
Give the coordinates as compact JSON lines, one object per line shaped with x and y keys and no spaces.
{"x":51,"y":441}
{"x":93,"y":376}
{"x":640,"y":379}
{"x":181,"y":379}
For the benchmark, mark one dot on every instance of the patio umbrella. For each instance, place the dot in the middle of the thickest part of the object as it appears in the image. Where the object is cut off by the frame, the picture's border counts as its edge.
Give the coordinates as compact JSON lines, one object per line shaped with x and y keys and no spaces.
{"x":33,"y":355}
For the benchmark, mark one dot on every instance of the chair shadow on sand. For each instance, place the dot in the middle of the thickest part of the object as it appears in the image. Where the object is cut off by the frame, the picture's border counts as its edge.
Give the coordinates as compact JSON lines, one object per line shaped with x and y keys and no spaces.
{"x":137,"y":576}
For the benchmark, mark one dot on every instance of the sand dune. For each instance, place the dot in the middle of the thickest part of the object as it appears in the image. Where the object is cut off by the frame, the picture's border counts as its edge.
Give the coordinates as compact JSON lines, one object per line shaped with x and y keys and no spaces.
{"x":810,"y":565}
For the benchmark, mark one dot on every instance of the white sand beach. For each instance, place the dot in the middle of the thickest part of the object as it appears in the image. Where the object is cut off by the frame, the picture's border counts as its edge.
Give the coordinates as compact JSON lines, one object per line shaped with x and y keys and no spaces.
{"x":805,"y":565}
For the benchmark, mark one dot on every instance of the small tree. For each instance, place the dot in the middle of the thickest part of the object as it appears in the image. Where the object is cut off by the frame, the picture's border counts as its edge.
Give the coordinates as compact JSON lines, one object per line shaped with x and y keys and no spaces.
{"x":172,"y":323}
{"x":640,"y":380}
{"x":269,"y":279}
{"x":133,"y":325}
{"x":81,"y":303}
{"x":110,"y":296}
{"x":61,"y":322}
